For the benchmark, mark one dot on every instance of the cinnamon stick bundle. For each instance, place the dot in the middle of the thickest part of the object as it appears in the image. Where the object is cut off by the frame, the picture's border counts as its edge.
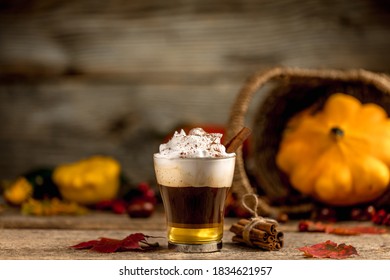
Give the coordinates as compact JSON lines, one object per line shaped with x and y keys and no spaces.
{"x":258,"y":233}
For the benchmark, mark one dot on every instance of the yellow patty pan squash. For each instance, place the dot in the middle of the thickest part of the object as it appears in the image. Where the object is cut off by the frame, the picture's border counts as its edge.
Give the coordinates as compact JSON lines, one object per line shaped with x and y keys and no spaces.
{"x":89,"y":180}
{"x":339,"y":155}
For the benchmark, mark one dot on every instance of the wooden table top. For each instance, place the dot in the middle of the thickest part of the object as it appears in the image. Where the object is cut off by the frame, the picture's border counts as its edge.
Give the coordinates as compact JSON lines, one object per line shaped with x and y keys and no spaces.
{"x":43,"y":238}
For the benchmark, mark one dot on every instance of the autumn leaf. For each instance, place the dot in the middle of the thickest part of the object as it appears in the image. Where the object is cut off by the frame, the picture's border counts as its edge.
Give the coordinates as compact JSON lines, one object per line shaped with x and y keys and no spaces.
{"x":135,"y":241}
{"x":132,"y":241}
{"x":329,"y":249}
{"x":309,"y":226}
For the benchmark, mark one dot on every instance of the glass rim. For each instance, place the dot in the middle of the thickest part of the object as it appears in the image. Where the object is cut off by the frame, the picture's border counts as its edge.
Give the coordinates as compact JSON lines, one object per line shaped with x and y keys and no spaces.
{"x":231,"y":156}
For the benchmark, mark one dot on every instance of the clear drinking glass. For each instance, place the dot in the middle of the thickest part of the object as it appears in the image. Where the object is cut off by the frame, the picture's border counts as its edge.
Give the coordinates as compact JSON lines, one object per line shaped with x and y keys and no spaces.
{"x":194,"y":191}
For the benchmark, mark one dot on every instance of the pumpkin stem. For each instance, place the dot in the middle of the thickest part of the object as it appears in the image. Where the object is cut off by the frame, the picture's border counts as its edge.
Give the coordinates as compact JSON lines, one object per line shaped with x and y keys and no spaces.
{"x":337,"y":132}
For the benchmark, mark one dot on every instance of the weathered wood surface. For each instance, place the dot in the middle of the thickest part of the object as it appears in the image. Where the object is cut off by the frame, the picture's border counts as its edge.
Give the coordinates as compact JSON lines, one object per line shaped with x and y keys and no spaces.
{"x":43,"y":238}
{"x":85,"y":77}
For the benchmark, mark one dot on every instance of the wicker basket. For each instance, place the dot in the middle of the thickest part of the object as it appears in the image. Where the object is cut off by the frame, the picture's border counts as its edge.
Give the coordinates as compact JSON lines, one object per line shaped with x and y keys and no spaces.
{"x":292,"y":90}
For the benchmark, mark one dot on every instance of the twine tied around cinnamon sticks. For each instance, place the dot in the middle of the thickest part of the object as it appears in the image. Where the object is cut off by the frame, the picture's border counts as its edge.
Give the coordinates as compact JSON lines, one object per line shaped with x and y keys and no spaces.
{"x":257,"y":231}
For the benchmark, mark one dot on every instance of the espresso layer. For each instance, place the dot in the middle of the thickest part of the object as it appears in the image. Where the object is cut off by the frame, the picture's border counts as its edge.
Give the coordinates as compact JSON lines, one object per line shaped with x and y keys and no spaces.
{"x":197,"y":206}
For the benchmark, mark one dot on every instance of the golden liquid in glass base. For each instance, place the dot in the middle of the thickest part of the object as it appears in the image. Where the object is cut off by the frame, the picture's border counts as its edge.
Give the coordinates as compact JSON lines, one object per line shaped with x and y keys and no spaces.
{"x":205,"y":235}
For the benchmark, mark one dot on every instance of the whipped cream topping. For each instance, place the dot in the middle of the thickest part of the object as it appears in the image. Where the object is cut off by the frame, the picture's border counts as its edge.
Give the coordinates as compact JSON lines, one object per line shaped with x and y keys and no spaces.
{"x":197,"y":144}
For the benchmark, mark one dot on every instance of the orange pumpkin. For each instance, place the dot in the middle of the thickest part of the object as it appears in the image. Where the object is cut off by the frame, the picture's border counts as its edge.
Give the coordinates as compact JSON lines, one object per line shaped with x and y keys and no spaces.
{"x":339,"y":155}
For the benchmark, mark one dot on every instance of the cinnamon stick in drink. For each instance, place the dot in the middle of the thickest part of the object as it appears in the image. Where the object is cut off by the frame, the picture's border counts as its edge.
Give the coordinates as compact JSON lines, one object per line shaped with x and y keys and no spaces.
{"x":237,"y":140}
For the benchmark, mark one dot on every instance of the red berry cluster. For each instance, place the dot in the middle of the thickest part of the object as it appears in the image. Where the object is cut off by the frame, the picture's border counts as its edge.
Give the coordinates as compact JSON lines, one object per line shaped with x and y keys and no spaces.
{"x":381,"y":217}
{"x":142,"y":203}
{"x":139,"y":202}
{"x":368,"y":213}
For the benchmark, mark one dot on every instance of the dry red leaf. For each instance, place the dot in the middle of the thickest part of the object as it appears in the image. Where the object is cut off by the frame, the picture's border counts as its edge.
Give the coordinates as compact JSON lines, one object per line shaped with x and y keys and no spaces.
{"x":309,"y":226}
{"x":329,"y":249}
{"x":135,"y":241}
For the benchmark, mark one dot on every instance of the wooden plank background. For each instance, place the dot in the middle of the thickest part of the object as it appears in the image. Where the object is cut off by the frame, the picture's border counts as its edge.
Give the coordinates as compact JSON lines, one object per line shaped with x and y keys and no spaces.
{"x":114,"y":77}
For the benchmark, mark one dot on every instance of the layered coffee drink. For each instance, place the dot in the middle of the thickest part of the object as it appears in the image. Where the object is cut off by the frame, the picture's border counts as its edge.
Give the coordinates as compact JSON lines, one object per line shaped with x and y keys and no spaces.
{"x":194,"y":174}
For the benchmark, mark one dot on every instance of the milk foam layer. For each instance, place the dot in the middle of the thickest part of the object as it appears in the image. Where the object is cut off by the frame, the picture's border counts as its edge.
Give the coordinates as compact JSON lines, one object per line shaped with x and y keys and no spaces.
{"x":195,"y":172}
{"x":197,"y":144}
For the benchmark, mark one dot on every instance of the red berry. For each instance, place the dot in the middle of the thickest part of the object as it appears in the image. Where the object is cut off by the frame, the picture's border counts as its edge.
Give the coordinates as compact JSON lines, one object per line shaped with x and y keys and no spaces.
{"x":327,"y":214}
{"x":386,"y":220}
{"x":150,"y":196}
{"x":144,"y":187}
{"x":382,"y":213}
{"x":356,"y":214}
{"x":371,"y":211}
{"x":118,"y":207}
{"x":303,"y":227}
{"x":140,"y":208}
{"x":149,"y":193}
{"x":379,"y":217}
{"x":376,"y":219}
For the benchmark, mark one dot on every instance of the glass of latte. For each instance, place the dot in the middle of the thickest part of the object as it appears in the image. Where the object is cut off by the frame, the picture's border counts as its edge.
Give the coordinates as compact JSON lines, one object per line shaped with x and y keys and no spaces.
{"x":194,"y":174}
